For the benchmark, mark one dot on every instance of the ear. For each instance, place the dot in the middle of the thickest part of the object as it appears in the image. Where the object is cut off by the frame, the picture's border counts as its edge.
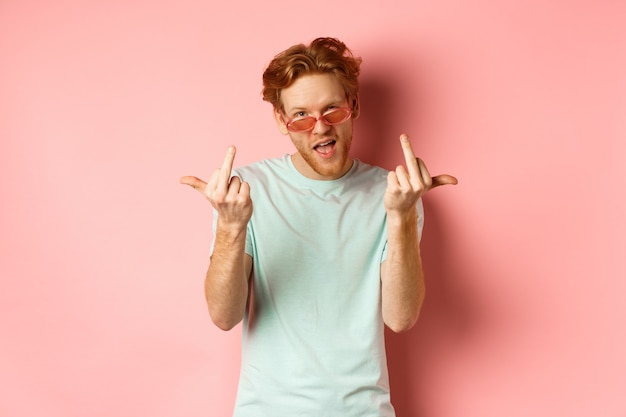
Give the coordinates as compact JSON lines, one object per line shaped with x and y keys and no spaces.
{"x":356,"y":107}
{"x":280,"y":122}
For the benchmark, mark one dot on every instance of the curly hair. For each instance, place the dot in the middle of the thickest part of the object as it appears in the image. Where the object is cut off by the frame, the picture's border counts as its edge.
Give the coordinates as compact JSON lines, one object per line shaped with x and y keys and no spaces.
{"x":322,"y":56}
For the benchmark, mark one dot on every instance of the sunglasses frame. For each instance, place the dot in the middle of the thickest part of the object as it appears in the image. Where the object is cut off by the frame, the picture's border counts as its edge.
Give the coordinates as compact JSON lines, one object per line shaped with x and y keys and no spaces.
{"x":289,"y":123}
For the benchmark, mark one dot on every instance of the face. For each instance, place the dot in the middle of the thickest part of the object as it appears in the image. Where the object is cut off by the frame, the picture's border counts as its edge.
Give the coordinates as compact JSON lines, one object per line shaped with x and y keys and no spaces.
{"x":324,"y":152}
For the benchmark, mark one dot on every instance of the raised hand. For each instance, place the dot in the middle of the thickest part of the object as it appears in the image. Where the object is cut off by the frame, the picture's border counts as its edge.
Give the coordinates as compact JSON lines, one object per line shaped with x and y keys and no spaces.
{"x":229,"y":196}
{"x":406,"y":185}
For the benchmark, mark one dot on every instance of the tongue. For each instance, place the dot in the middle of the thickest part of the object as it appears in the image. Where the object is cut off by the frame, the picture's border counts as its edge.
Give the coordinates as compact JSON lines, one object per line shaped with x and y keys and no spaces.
{"x":325,"y":149}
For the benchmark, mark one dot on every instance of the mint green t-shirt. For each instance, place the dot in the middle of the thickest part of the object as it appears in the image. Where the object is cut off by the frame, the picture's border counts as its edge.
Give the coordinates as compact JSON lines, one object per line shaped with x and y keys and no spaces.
{"x":313,"y":336}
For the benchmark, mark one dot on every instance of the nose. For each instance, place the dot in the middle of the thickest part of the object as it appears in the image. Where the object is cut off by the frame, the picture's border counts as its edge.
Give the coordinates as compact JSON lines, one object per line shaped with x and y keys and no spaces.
{"x":320,"y":127}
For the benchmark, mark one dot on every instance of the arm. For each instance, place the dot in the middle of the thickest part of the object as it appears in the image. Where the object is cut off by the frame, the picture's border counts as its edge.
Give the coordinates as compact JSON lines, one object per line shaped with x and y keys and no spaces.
{"x":402,"y":276}
{"x":227,"y":278}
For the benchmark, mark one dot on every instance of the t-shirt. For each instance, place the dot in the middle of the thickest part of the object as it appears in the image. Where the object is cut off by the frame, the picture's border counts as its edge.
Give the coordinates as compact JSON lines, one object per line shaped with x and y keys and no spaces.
{"x":313,"y":335}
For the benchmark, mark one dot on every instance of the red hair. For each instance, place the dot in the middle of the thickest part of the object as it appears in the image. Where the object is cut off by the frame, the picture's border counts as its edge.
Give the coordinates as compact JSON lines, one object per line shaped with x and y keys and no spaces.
{"x":322,"y":56}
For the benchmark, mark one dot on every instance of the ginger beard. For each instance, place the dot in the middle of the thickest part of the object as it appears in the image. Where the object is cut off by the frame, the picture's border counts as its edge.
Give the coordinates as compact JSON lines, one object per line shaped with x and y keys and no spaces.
{"x":329,"y":161}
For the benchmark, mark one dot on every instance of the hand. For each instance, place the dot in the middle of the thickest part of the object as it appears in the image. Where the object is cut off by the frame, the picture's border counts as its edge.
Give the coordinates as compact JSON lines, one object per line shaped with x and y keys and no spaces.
{"x":229,"y":196}
{"x":406,"y":185}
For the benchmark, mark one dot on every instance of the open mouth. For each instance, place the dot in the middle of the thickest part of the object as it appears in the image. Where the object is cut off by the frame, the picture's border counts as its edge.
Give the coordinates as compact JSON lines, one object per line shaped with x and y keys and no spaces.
{"x":325,"y":148}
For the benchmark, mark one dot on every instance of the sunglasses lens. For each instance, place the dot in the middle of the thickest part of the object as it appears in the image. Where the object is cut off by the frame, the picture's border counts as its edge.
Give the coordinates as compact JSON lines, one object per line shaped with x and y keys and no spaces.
{"x":337,"y":116}
{"x":303,"y":124}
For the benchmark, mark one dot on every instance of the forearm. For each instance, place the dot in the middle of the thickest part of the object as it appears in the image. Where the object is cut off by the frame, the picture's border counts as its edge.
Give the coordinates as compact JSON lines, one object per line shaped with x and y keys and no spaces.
{"x":402,"y":275}
{"x":226,"y":284}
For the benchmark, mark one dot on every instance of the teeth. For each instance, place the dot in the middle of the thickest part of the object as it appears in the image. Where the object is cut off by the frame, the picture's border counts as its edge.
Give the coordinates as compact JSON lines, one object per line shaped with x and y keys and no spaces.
{"x":325,"y":143}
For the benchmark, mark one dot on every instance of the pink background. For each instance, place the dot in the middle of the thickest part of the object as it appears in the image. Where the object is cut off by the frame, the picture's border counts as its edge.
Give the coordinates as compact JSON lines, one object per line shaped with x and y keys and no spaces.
{"x":104,"y":105}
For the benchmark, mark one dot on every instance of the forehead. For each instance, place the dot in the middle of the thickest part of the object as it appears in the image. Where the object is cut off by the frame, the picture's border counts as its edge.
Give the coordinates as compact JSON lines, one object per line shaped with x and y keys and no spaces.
{"x":311,"y":91}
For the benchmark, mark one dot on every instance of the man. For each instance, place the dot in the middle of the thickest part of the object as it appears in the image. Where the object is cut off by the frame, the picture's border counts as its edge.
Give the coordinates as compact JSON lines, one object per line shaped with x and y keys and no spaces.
{"x":327,"y":257}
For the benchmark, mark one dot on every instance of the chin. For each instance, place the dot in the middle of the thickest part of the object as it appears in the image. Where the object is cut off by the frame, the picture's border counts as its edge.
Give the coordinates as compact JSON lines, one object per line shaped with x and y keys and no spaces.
{"x":332,"y":170}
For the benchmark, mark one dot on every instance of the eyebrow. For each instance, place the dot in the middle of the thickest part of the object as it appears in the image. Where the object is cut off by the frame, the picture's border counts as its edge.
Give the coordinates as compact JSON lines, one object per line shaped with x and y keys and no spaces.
{"x":334,"y":102}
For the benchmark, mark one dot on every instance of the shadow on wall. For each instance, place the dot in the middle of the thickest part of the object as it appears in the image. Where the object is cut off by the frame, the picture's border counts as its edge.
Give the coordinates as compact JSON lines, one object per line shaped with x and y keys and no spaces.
{"x":449,"y":321}
{"x":449,"y":318}
{"x":371,"y":143}
{"x":389,"y":107}
{"x":375,"y":131}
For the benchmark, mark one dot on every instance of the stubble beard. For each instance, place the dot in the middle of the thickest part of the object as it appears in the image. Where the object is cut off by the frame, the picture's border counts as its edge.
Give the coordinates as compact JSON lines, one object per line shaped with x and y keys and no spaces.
{"x":329,"y":169}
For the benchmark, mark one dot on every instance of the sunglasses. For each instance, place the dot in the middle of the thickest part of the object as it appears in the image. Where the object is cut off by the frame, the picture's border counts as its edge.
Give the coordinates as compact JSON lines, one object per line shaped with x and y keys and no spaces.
{"x":331,"y":117}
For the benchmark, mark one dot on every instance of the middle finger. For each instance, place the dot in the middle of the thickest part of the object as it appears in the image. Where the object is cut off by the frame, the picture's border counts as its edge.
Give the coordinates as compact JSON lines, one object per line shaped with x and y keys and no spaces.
{"x":409,"y":157}
{"x":225,"y":171}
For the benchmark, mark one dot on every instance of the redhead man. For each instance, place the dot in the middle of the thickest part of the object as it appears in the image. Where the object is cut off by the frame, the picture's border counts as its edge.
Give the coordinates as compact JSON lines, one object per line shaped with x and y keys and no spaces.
{"x":315,"y":251}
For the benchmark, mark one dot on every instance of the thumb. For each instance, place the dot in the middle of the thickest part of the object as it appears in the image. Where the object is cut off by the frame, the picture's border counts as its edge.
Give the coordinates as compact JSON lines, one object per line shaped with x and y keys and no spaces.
{"x":444,"y":180}
{"x":194,"y":182}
